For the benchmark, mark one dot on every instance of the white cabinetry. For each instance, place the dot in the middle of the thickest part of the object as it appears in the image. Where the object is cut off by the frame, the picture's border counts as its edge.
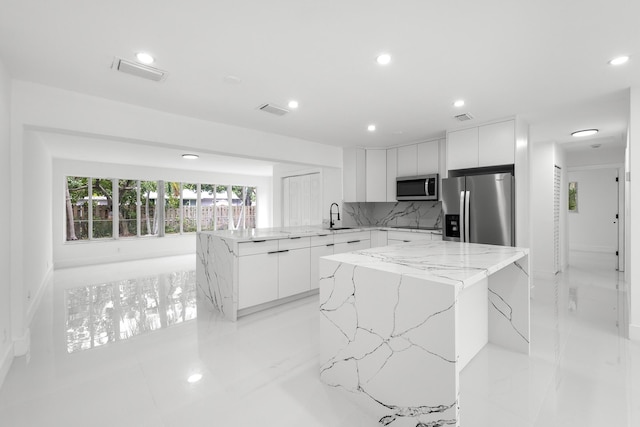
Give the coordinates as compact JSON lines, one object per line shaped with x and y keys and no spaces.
{"x":427,"y":157}
{"x":354,"y":174}
{"x":487,"y":145}
{"x":376,"y":175}
{"x":408,"y":160}
{"x":257,"y":279}
{"x":496,"y":144}
{"x":462,"y":149}
{"x":351,"y":241}
{"x":293,"y":272}
{"x":397,"y":236}
{"x":392,"y":173}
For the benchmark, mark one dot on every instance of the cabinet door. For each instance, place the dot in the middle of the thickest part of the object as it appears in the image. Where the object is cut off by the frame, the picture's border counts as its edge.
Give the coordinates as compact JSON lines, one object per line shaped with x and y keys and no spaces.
{"x":428,"y":157}
{"x":407,"y":236}
{"x":376,"y":186}
{"x":353,"y":174}
{"x":352,"y":245}
{"x":496,"y":144}
{"x":293,"y":272}
{"x":316,"y":253}
{"x":257,"y":279}
{"x":392,"y":173}
{"x":462,"y":149}
{"x":408,"y":160}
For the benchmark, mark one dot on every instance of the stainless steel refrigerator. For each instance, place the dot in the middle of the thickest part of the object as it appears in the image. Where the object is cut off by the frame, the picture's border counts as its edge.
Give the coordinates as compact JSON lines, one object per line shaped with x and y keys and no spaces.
{"x":479,"y":209}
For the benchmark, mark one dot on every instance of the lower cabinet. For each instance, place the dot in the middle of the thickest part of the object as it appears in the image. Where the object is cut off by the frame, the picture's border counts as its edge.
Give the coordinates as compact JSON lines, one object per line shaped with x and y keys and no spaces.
{"x":352,"y":245}
{"x":257,"y":279}
{"x":293,"y":272}
{"x":406,"y":236}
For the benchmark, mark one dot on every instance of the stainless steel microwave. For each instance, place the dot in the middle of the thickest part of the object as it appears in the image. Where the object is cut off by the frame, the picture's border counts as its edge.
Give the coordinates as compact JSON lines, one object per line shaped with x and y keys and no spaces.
{"x":423,"y":187}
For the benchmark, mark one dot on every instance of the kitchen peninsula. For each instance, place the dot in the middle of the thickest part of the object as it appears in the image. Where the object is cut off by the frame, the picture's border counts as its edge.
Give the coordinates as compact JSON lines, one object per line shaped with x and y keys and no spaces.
{"x":399,"y":323}
{"x":243,"y":271}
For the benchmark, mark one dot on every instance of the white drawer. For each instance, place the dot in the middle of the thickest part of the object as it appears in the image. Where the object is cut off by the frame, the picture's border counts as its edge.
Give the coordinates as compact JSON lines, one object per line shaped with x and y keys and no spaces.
{"x":254,"y":247}
{"x":322,"y":239}
{"x":293,"y":243}
{"x":408,"y":236}
{"x":349,"y":236}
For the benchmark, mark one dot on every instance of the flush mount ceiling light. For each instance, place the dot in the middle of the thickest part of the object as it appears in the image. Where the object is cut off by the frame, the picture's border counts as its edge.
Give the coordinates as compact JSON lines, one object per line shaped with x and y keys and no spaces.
{"x":371,"y":128}
{"x":145,"y":58}
{"x":293,"y":104}
{"x":383,"y":59}
{"x":194,"y":378}
{"x":189,"y":156}
{"x":584,"y":132}
{"x":619,"y":60}
{"x":459,"y":103}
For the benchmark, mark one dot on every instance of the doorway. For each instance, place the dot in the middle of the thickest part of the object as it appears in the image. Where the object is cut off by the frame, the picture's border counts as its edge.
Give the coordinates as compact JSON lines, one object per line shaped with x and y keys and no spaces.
{"x":594,"y":211}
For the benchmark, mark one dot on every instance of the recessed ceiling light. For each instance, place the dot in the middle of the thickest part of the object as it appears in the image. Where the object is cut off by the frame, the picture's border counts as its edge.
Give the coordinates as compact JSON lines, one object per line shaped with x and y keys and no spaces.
{"x":619,"y":60}
{"x":584,"y":132}
{"x":190,"y":156}
{"x":459,"y":103}
{"x":293,"y":104}
{"x":383,"y":59}
{"x":145,"y":58}
{"x":371,"y":128}
{"x":194,"y":378}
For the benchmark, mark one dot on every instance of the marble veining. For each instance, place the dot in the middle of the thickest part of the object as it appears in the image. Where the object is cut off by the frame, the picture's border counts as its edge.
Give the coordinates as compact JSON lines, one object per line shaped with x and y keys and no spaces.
{"x":394,"y":214}
{"x":392,"y":323}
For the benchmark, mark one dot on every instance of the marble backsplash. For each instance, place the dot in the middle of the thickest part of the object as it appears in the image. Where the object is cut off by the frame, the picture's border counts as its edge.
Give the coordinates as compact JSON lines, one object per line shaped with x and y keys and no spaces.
{"x":410,"y":214}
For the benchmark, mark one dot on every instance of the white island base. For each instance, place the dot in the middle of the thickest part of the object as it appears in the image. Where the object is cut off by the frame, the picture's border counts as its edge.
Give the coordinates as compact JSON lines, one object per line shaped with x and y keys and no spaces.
{"x":399,"y":323}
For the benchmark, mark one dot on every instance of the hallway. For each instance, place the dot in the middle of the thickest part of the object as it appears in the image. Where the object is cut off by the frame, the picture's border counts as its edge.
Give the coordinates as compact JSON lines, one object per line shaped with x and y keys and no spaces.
{"x":117,"y":366}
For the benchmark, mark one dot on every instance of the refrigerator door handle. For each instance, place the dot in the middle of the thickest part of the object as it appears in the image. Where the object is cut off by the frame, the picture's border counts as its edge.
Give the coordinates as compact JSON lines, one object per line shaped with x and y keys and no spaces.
{"x":467,"y":235}
{"x":462,"y":216}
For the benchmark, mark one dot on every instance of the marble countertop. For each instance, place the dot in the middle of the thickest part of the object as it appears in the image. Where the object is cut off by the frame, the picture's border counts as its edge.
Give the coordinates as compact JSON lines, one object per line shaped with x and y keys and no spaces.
{"x":442,"y":261}
{"x":303,"y":231}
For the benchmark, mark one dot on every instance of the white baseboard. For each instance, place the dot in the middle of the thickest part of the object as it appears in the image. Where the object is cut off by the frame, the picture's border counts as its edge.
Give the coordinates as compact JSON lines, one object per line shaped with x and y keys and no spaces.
{"x":6,"y":359}
{"x":634,"y":332}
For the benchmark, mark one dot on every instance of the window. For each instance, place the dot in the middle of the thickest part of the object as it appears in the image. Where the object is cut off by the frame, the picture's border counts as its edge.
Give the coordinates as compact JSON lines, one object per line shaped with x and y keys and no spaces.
{"x":186,"y":208}
{"x":128,"y":208}
{"x":573,"y":197}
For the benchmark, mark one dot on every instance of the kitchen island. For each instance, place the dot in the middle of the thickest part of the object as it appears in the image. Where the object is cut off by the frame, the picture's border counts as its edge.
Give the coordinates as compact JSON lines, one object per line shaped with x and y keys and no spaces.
{"x":399,"y":323}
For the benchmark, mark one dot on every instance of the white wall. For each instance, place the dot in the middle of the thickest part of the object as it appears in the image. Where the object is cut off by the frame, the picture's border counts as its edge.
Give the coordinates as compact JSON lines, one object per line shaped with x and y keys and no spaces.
{"x":331,"y":179}
{"x":633,"y":208}
{"x":6,"y":341}
{"x":67,"y":254}
{"x":597,"y":156}
{"x":36,"y":217}
{"x":545,"y":156}
{"x":592,"y":227}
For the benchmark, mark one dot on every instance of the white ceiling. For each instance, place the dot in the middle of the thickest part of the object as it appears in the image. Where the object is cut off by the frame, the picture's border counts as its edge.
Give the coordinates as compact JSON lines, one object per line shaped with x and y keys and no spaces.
{"x":544,"y":60}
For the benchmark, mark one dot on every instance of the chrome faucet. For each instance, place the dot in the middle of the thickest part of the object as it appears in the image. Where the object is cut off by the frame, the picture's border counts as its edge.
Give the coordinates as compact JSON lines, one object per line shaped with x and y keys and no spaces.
{"x":331,"y":223}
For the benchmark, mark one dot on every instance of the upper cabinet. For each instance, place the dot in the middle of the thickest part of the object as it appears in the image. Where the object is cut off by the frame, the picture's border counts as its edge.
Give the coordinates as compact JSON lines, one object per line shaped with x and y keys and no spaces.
{"x":392,"y":173}
{"x":376,"y":175}
{"x":487,"y":145}
{"x":408,"y":160}
{"x":354,"y":174}
{"x":427,"y":157}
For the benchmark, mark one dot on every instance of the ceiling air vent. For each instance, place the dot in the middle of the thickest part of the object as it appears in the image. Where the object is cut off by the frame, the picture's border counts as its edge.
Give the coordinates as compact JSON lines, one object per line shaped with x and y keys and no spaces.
{"x":139,"y":70}
{"x":273,"y":109}
{"x":463,"y":117}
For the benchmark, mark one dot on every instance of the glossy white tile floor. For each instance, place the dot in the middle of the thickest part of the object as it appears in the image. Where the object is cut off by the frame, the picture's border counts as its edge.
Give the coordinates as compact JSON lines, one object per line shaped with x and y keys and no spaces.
{"x":263,"y":370}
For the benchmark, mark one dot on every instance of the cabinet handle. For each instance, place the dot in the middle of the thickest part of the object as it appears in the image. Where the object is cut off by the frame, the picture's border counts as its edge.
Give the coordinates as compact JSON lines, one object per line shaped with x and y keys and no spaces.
{"x":353,"y":241}
{"x":322,"y":235}
{"x":278,"y":252}
{"x":258,"y":241}
{"x":406,"y":241}
{"x":299,"y":237}
{"x":330,"y":244}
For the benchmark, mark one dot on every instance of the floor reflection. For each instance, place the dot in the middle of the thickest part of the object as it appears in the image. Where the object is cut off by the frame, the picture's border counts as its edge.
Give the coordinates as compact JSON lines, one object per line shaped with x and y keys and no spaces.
{"x":107,"y":312}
